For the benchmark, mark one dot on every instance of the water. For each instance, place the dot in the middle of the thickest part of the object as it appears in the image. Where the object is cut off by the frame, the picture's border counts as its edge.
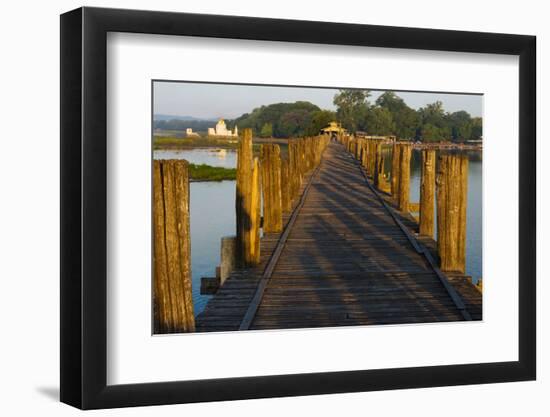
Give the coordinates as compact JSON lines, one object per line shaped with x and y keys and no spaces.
{"x":212,"y":207}
{"x":225,"y":158}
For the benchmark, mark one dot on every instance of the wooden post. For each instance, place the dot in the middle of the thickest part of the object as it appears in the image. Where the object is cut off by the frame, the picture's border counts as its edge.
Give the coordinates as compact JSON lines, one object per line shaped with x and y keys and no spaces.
{"x":173,"y":297}
{"x":427,"y":193}
{"x":253,"y":255}
{"x":303,"y":155}
{"x":291,"y":170}
{"x":378,"y":164}
{"x":271,"y":188}
{"x":245,"y":204}
{"x":294,"y":171}
{"x":369,"y":156}
{"x":228,"y":257}
{"x":383,"y":184}
{"x":372,"y":158}
{"x":364,"y":153}
{"x":404,"y":177}
{"x":395,"y":164}
{"x":286,"y":198}
{"x":297,"y":168}
{"x":452,"y":195}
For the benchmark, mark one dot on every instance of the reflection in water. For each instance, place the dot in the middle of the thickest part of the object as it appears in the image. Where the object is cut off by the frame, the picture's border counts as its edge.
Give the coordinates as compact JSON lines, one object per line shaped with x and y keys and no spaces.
{"x":225,"y":158}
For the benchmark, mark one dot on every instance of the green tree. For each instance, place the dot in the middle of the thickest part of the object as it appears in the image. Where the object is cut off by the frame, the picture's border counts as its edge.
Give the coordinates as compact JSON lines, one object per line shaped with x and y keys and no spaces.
{"x":380,"y":121}
{"x":433,"y":114}
{"x":391,"y":101}
{"x":319,"y":120}
{"x":293,"y":123}
{"x":461,"y":125}
{"x":434,"y":122}
{"x":267,"y":130}
{"x":277,"y":115}
{"x":351,"y":107}
{"x":407,"y":123}
{"x":431,"y":133}
{"x":406,"y":119}
{"x":477,"y":128}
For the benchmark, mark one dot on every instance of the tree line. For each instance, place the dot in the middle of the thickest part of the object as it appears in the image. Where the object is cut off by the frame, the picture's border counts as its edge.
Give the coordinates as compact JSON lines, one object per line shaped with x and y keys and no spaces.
{"x":283,"y":120}
{"x":387,"y":115}
{"x":179,"y":124}
{"x":390,"y":115}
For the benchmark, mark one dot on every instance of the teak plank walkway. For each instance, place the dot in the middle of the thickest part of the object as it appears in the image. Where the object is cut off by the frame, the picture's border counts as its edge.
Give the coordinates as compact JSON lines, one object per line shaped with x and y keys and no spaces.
{"x":346,"y":261}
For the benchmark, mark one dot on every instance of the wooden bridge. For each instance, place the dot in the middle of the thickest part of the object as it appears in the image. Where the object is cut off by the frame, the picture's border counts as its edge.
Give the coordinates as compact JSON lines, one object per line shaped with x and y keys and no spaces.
{"x":345,"y":256}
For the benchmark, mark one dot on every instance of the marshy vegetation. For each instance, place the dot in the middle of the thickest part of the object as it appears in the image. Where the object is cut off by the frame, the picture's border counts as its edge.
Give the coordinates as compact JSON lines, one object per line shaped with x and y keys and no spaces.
{"x":204,"y":172}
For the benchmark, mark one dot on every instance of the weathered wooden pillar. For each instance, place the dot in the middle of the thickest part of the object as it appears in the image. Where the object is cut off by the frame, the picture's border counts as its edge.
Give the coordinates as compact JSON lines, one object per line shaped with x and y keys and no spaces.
{"x":364,"y":153}
{"x":372,"y":158}
{"x":243,"y":191}
{"x":427,"y":193}
{"x":173,"y":297}
{"x":291,"y":171}
{"x":253,"y":255}
{"x":452,"y":196}
{"x":395,"y":164}
{"x":320,"y":143}
{"x":367,"y":156}
{"x":378,"y":164}
{"x":286,"y":197}
{"x":271,"y":188}
{"x":228,"y":257}
{"x":303,"y":164}
{"x":296,"y":167}
{"x":383,"y":184}
{"x":244,"y":200}
{"x":404,"y":177}
{"x":296,"y":176}
{"x":310,"y":153}
{"x":365,"y":159}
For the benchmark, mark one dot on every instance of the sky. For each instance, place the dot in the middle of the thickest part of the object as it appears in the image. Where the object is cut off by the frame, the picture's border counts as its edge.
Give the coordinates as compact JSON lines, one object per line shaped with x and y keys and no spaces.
{"x":209,"y":101}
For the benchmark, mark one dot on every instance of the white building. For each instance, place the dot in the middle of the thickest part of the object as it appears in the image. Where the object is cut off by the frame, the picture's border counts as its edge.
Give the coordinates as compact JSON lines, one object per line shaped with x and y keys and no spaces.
{"x":222,"y":130}
{"x":189,"y":132}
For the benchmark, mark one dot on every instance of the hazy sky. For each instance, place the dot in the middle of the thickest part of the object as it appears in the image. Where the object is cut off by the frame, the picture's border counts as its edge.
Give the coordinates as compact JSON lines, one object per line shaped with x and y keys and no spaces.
{"x":230,"y":101}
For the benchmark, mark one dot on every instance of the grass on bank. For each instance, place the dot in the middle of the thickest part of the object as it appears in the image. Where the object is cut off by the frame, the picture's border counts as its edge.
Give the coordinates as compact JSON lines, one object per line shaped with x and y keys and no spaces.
{"x":168,"y":142}
{"x":203,"y":172}
{"x":172,"y":142}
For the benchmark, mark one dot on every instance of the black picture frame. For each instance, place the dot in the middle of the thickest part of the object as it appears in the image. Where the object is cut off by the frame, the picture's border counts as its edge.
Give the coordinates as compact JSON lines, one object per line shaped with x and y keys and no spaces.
{"x":84,"y":207}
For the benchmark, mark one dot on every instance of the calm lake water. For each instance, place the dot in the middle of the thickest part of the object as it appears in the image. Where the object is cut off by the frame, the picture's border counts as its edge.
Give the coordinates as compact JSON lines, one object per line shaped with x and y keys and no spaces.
{"x":226,"y":158}
{"x":212,"y":208}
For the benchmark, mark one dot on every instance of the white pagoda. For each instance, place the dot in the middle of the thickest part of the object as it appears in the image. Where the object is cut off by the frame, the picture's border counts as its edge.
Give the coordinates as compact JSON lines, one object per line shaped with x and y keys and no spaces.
{"x":222,"y":130}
